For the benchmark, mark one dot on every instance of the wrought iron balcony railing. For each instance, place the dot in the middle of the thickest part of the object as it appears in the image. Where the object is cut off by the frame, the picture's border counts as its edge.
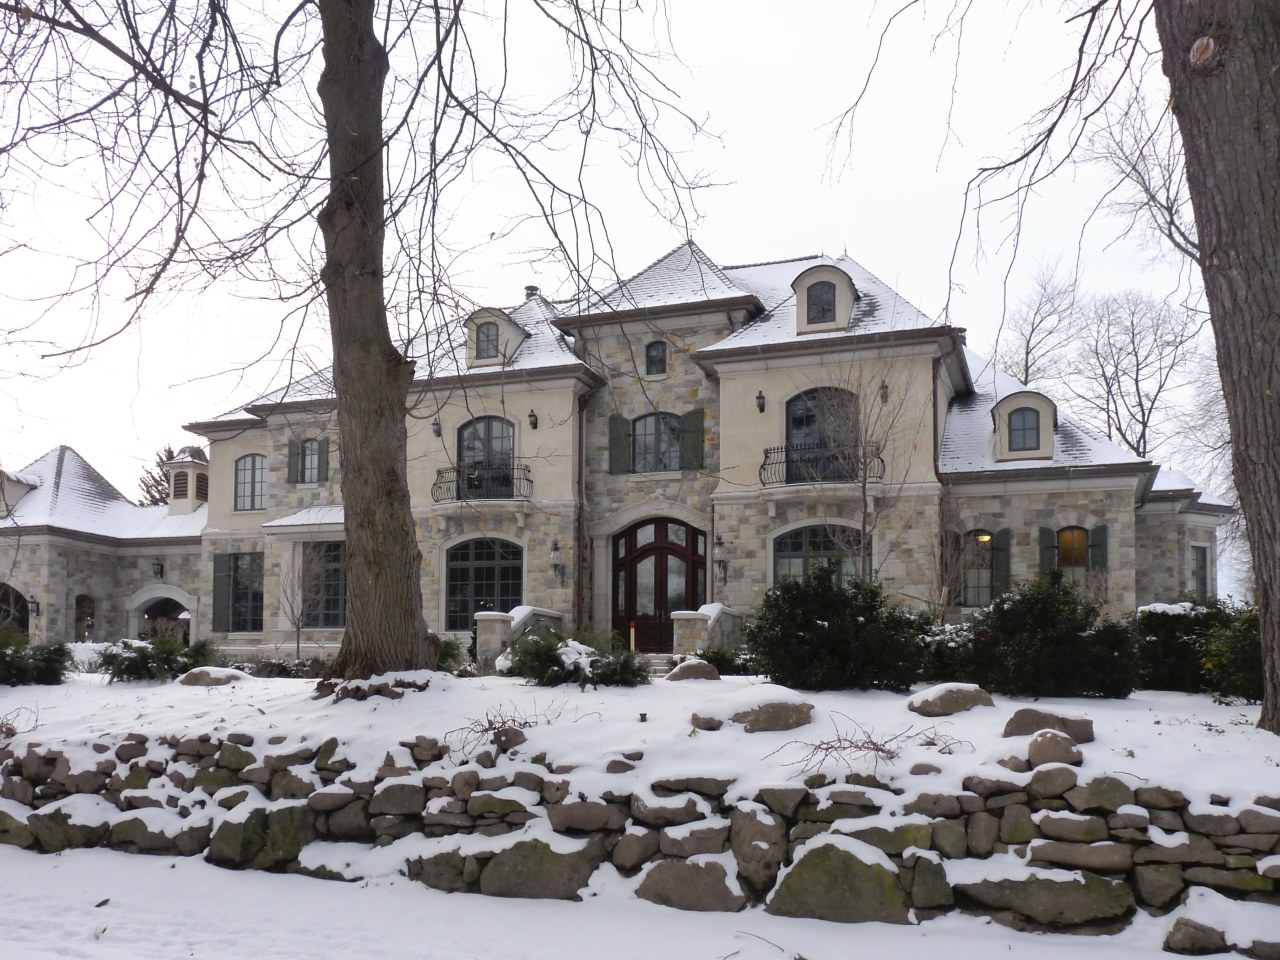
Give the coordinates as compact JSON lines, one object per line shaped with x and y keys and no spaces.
{"x":821,"y":463}
{"x":508,"y":480}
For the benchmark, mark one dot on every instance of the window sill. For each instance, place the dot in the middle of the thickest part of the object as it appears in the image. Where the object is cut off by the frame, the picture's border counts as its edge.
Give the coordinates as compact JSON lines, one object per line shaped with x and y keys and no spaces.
{"x":248,"y":509}
{"x":656,"y":475}
{"x":653,"y":376}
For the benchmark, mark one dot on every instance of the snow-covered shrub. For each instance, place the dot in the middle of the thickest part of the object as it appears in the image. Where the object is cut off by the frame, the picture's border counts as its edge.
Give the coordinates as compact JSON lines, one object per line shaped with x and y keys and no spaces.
{"x":1045,"y":639}
{"x":22,"y":662}
{"x":818,"y":634}
{"x":547,"y":660}
{"x":161,"y":659}
{"x":1170,"y":639}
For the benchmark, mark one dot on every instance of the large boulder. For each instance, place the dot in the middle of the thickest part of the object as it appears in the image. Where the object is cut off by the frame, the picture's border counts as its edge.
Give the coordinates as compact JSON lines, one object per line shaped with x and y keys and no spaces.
{"x":13,"y":827}
{"x":66,"y":825}
{"x":693,"y":669}
{"x":776,"y":715}
{"x":691,"y":839}
{"x":949,"y":698}
{"x":235,"y":843}
{"x":1050,"y":900}
{"x":531,"y":869}
{"x":1028,"y":720}
{"x":1189,"y":938}
{"x":701,"y":884}
{"x":443,"y":871}
{"x":758,"y":840}
{"x":212,"y":677}
{"x":840,"y":879}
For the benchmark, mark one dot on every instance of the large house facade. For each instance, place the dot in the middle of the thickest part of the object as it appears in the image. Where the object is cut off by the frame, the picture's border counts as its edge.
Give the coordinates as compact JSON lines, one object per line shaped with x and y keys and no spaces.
{"x":673,"y":445}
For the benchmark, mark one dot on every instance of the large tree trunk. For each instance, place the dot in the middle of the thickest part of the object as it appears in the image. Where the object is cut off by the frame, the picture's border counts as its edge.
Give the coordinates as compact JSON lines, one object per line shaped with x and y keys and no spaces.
{"x":385,"y":629}
{"x":1223,"y":64}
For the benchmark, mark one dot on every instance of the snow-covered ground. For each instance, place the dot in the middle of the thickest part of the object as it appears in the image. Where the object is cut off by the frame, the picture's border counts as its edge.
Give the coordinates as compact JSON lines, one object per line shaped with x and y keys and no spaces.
{"x":53,"y":906}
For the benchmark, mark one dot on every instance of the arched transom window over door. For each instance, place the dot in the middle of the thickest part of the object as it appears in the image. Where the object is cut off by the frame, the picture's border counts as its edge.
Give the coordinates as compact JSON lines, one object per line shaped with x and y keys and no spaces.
{"x":659,"y":566}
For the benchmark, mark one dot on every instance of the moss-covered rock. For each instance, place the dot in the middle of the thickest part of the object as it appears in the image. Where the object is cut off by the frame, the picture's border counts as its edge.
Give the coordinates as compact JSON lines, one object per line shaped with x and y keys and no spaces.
{"x":531,"y":869}
{"x":689,"y":885}
{"x":1052,"y":901}
{"x":237,"y":842}
{"x":831,"y":882}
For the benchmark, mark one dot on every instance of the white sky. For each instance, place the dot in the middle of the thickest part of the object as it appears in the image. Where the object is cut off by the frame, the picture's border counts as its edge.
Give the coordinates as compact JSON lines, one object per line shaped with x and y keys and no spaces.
{"x":769,"y":79}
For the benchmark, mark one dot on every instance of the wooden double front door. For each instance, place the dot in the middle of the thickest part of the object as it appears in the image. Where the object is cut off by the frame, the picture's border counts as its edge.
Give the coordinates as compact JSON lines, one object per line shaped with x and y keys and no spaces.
{"x":658,"y":566}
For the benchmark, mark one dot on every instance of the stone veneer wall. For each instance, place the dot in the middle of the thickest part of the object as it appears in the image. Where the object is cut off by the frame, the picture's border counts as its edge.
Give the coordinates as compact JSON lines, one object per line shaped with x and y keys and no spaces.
{"x":856,"y":849}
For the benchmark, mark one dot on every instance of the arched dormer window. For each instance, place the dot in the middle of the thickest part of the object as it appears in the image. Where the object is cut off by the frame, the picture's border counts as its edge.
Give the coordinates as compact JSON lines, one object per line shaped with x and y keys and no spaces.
{"x":822,"y":302}
{"x":487,"y":340}
{"x":1024,"y":429}
{"x":180,"y":485}
{"x":655,"y":358}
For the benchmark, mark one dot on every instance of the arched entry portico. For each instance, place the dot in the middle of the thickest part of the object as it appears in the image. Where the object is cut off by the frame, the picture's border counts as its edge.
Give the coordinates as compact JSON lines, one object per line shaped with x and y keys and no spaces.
{"x":140,"y":602}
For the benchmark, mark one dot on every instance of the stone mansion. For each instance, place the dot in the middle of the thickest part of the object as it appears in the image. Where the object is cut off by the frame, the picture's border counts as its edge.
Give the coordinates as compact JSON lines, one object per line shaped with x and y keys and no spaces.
{"x":647,"y":461}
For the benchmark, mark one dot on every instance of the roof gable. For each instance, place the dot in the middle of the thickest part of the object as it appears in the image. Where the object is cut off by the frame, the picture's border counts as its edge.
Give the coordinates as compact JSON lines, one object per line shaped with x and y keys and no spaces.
{"x":684,"y":276}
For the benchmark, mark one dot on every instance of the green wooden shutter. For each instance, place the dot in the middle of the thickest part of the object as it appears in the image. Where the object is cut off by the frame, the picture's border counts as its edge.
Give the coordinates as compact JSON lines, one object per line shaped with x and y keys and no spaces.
{"x":619,"y":444}
{"x":323,"y":457}
{"x":221,"y":592}
{"x":1048,"y":550}
{"x":1001,"y":562}
{"x":1098,"y":547}
{"x":691,"y":439}
{"x":295,"y":461}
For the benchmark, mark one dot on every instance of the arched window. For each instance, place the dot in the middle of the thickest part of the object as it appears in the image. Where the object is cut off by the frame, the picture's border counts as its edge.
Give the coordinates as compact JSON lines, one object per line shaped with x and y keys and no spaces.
{"x":487,"y":340}
{"x":822,"y":436}
{"x":655,"y":443}
{"x":180,"y":485}
{"x":1024,"y":429}
{"x":655,"y":358}
{"x":822,"y":302}
{"x":251,"y":482}
{"x":85,"y":610}
{"x":482,"y":574}
{"x":202,"y":487}
{"x":486,"y":458}
{"x":14,"y":611}
{"x":797,"y":552}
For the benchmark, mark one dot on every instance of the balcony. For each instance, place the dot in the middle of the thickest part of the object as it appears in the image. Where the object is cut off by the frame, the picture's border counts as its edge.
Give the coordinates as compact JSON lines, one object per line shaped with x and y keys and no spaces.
{"x":509,"y":480}
{"x":821,"y":463}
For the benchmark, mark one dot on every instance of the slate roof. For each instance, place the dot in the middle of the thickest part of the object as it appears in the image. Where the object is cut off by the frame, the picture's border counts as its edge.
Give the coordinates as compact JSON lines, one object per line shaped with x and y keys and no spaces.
{"x":685,"y":275}
{"x":330,"y":513}
{"x":71,"y":495}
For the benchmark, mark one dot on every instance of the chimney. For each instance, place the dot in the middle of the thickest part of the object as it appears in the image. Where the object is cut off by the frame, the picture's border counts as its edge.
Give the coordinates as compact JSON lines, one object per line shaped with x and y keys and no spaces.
{"x":530,"y":292}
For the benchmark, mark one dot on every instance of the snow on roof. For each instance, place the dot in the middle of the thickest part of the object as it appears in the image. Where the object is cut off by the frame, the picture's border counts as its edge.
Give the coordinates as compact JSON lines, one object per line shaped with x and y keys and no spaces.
{"x":309,"y":517}
{"x":879,"y":308}
{"x":29,"y":479}
{"x":968,"y":443}
{"x":1170,"y":480}
{"x":72,"y":495}
{"x":685,"y":275}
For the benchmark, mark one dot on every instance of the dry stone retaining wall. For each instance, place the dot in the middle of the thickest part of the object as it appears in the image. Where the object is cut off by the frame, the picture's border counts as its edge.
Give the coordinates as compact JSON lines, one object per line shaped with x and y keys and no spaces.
{"x":1038,"y":849}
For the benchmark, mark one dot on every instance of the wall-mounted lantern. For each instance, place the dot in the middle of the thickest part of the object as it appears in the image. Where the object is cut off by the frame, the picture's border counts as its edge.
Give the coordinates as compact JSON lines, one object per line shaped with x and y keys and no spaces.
{"x":533,"y":420}
{"x":435,"y":427}
{"x":760,"y":400}
{"x":720,"y":556}
{"x":557,"y":561}
{"x":157,"y":568}
{"x":884,"y":391}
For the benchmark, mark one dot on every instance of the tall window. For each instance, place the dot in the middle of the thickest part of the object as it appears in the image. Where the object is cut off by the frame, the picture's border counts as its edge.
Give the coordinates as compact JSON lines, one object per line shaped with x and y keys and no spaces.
{"x":798,"y":552}
{"x":1024,"y":429}
{"x":86,"y":607}
{"x":486,"y":449}
{"x":246,"y":593}
{"x":309,"y":461}
{"x":487,"y":340}
{"x":822,"y":436}
{"x":822,"y":302}
{"x":977,"y":568}
{"x":324,"y":576}
{"x":655,"y":358}
{"x":1200,"y":572}
{"x":251,"y":482}
{"x":482,"y":574}
{"x":180,"y":485}
{"x":655,"y":443}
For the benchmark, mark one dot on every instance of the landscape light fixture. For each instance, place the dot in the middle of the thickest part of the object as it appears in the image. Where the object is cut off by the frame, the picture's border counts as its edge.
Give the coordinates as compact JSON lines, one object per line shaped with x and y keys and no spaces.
{"x":557,"y":561}
{"x":157,"y":568}
{"x":533,"y":420}
{"x":435,"y":427}
{"x":760,"y":400}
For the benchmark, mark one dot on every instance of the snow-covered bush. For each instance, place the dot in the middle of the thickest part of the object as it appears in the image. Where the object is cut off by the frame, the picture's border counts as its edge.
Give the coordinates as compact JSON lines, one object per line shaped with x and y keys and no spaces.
{"x":547,"y":660}
{"x":22,"y":662}
{"x":161,"y":659}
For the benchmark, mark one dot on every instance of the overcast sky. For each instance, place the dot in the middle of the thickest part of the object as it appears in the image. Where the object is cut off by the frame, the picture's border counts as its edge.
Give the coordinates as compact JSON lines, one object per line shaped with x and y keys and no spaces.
{"x":769,"y":79}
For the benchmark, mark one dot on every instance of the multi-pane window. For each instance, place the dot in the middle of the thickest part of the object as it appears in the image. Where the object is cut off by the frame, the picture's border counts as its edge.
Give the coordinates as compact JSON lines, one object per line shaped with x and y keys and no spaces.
{"x":482,"y":574}
{"x":655,"y":358}
{"x":822,"y":302}
{"x":977,"y":568}
{"x":309,"y":461}
{"x":655,"y":443}
{"x":251,"y":482}
{"x":324,"y":579}
{"x":487,"y":340}
{"x":798,"y":552}
{"x":246,"y":592}
{"x":180,"y":485}
{"x":1024,"y":429}
{"x":1200,"y":572}
{"x":486,"y":452}
{"x":1073,"y":552}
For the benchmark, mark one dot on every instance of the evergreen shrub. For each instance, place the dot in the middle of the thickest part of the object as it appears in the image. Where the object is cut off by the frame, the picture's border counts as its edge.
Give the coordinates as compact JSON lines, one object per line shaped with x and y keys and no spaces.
{"x":159,"y":659}
{"x":23,"y":663}
{"x":1232,"y":657}
{"x":546,"y":659}
{"x":1170,"y":640}
{"x":818,"y":634}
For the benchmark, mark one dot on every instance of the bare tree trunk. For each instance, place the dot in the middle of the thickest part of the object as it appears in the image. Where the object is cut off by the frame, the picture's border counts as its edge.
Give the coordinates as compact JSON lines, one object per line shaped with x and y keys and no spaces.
{"x":385,"y":628}
{"x":1221,"y":60}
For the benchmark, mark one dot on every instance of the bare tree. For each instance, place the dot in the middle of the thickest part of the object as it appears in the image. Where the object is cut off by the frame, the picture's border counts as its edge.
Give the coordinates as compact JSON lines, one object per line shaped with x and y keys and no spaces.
{"x":1134,"y":353}
{"x":1034,"y":337}
{"x":211,"y":162}
{"x":301,"y":591}
{"x":1219,"y":60}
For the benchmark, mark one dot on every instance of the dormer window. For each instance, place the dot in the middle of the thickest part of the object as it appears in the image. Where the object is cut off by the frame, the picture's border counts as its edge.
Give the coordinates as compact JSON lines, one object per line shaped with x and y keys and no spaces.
{"x":822,"y":302}
{"x":1024,"y":429}
{"x":655,"y":358}
{"x":487,"y":341}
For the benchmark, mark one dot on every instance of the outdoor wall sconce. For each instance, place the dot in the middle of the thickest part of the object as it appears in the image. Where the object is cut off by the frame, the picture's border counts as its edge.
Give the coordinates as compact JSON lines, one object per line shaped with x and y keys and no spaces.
{"x":435,"y":427}
{"x":533,"y":420}
{"x":884,"y":391}
{"x":984,"y":537}
{"x":557,"y":560}
{"x":719,"y":552}
{"x":157,"y":569}
{"x":760,"y":400}
{"x":34,"y":607}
